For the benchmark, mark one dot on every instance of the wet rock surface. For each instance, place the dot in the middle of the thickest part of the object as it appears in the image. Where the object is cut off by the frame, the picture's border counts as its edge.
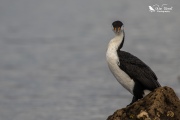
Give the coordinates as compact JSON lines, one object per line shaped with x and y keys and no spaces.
{"x":161,"y":104}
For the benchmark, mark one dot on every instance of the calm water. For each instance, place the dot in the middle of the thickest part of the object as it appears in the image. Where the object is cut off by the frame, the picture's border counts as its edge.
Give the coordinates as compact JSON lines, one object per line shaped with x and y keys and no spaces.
{"x":52,"y":55}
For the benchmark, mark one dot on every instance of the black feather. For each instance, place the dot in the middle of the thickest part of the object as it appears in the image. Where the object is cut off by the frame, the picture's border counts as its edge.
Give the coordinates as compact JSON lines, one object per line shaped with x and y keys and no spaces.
{"x":138,"y":70}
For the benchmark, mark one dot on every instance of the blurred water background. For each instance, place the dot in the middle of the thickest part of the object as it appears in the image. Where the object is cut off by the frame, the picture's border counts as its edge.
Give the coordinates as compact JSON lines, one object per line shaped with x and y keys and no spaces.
{"x":52,"y":55}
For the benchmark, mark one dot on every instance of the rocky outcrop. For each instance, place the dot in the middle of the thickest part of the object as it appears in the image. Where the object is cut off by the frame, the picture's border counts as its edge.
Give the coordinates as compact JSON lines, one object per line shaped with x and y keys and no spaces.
{"x":161,"y":104}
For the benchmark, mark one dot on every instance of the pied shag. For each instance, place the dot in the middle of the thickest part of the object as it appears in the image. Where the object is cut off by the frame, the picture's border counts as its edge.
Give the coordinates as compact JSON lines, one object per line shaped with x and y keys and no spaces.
{"x":132,"y":73}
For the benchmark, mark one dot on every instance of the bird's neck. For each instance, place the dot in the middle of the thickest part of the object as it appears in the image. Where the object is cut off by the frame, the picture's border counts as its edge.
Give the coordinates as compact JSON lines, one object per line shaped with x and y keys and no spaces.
{"x":117,"y":42}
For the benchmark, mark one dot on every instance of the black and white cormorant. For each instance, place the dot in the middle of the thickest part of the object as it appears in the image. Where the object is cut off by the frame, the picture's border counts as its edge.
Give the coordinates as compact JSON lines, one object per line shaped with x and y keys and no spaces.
{"x":130,"y":71}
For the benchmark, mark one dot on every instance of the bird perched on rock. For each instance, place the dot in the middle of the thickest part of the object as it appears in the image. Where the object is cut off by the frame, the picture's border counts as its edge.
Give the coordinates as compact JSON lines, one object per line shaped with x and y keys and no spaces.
{"x":132,"y":73}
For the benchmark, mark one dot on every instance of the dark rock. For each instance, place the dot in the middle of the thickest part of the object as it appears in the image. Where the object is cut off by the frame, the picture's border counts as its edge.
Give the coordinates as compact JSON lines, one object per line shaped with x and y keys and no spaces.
{"x":161,"y":104}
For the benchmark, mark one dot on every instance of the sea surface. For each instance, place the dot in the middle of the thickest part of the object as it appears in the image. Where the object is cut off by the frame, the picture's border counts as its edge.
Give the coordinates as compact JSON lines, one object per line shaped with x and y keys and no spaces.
{"x":52,"y":55}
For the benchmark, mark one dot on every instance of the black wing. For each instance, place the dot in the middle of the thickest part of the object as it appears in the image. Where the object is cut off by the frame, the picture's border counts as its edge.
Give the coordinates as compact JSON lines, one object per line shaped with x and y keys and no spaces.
{"x":138,"y":70}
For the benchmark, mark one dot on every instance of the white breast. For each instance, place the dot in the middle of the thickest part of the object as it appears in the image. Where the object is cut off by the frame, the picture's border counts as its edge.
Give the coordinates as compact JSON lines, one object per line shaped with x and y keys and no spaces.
{"x":113,"y":63}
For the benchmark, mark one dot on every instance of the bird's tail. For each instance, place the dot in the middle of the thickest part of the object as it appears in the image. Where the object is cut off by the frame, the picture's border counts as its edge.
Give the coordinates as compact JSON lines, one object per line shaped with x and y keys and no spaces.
{"x":158,"y":84}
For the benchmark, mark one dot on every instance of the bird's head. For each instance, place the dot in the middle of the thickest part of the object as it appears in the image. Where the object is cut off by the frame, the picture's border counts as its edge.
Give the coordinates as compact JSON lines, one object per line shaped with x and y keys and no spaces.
{"x":118,"y":27}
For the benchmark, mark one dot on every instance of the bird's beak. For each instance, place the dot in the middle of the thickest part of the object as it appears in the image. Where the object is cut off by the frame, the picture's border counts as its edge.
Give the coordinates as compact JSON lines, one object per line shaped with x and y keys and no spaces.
{"x":117,"y":29}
